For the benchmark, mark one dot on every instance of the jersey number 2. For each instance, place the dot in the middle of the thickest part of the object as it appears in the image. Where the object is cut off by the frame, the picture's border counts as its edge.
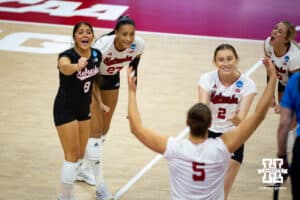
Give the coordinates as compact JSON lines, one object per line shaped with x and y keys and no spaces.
{"x":199,"y":172}
{"x":221,"y":113}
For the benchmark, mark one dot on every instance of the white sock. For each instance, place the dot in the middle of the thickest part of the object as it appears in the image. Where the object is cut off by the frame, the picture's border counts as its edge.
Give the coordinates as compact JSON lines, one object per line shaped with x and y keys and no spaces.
{"x":94,"y":155}
{"x":97,"y":170}
{"x":66,"y":191}
{"x":68,"y":175}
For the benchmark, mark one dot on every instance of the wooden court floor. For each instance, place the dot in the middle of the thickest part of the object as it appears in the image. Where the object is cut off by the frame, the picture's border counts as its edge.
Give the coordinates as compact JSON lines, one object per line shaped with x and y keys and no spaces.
{"x":31,"y":154}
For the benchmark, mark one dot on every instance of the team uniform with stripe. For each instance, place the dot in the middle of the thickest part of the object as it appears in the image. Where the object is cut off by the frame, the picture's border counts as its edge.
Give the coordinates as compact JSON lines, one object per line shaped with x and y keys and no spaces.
{"x":223,"y":101}
{"x":289,"y":62}
{"x":197,"y":171}
{"x":113,"y":61}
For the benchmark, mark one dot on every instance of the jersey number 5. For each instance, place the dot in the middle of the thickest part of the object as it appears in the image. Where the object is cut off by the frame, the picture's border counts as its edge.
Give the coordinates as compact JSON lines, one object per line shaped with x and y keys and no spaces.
{"x":199,"y":172}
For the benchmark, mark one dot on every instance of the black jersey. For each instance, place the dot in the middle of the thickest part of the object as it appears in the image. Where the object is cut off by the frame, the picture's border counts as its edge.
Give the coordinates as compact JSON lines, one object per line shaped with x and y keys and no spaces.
{"x":78,"y":86}
{"x":74,"y":94}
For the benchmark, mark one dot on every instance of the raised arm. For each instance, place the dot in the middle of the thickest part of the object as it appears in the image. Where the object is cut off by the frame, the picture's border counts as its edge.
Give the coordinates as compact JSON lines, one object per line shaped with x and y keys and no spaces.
{"x":237,"y":136}
{"x":241,"y":114}
{"x":65,"y":66}
{"x":134,"y":65}
{"x":151,"y":139}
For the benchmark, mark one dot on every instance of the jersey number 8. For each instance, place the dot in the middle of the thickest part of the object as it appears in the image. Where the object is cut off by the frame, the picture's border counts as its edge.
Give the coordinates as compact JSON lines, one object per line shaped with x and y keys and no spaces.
{"x":86,"y":86}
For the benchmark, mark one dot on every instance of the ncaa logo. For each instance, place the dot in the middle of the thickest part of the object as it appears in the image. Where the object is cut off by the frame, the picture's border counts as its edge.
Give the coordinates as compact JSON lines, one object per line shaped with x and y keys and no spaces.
{"x":272,"y":171}
{"x":239,"y":84}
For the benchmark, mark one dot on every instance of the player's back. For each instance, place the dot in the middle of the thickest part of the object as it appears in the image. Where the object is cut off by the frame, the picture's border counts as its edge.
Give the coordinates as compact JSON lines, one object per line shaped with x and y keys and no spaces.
{"x":197,"y":170}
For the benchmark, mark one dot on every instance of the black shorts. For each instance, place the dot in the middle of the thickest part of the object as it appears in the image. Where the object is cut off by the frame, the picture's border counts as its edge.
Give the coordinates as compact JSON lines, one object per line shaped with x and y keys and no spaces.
{"x":238,"y":155}
{"x":280,"y":87}
{"x":108,"y":82}
{"x":64,"y":111}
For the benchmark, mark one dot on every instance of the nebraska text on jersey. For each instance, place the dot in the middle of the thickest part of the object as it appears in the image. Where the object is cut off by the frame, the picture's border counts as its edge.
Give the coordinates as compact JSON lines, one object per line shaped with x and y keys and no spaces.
{"x":87,"y":73}
{"x":219,"y":98}
{"x":225,"y":100}
{"x":114,"y":60}
{"x":111,"y":61}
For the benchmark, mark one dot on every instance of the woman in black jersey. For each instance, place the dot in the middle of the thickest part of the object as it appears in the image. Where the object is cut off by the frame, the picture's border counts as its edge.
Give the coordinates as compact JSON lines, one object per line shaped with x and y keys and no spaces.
{"x":78,"y":67}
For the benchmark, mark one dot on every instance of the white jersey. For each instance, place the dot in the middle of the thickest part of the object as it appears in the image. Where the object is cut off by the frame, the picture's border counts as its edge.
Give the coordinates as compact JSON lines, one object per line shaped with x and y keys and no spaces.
{"x":289,"y":62}
{"x":197,"y":170}
{"x":112,"y":59}
{"x":223,"y":101}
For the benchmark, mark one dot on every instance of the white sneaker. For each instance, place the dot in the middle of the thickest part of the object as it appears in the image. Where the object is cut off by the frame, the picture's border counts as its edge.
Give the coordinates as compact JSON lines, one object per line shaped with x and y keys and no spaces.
{"x":87,"y":176}
{"x":102,"y":193}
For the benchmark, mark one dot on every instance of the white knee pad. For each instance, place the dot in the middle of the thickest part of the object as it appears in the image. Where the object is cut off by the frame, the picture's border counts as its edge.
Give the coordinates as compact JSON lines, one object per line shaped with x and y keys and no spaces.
{"x":94,"y":148}
{"x":69,"y":171}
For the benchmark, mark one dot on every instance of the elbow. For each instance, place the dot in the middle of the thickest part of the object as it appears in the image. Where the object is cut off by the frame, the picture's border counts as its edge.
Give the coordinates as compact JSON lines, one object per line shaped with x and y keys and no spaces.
{"x":134,"y":126}
{"x":133,"y":129}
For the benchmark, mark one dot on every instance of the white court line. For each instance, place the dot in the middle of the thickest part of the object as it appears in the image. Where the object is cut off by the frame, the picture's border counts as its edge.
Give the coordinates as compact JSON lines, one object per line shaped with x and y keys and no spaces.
{"x":141,"y":32}
{"x":183,"y":134}
{"x":146,"y":168}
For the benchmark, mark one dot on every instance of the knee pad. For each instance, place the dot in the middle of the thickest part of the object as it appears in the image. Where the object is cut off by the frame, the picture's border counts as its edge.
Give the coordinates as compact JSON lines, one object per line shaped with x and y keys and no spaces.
{"x":94,"y":148}
{"x":69,"y":172}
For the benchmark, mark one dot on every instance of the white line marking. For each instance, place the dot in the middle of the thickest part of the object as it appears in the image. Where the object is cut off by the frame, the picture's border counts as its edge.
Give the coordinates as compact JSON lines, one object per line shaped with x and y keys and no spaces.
{"x":254,"y":68}
{"x":141,"y":32}
{"x":146,"y":168}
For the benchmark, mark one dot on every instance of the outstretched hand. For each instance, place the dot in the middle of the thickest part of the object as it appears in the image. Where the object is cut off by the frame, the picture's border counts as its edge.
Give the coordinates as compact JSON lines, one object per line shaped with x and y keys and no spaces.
{"x":131,"y":79}
{"x":234,"y":117}
{"x":271,"y":72}
{"x":269,"y":66}
{"x":82,"y":63}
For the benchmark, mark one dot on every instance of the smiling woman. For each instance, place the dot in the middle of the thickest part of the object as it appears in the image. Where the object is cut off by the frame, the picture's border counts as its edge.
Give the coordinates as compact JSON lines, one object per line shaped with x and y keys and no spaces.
{"x":78,"y":68}
{"x":229,"y":95}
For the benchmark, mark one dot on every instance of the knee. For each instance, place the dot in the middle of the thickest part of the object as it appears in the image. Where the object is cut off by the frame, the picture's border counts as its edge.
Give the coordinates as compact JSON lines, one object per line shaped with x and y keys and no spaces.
{"x":105,"y":129}
{"x":81,"y":155}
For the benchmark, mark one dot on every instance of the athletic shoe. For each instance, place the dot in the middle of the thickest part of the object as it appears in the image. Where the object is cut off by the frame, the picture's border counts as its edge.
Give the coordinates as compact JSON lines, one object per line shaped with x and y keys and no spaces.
{"x":87,"y":176}
{"x":102,"y":193}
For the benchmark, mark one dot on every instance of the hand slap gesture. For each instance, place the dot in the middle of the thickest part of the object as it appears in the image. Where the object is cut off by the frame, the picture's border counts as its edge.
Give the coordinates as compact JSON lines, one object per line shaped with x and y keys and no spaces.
{"x":131,"y":79}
